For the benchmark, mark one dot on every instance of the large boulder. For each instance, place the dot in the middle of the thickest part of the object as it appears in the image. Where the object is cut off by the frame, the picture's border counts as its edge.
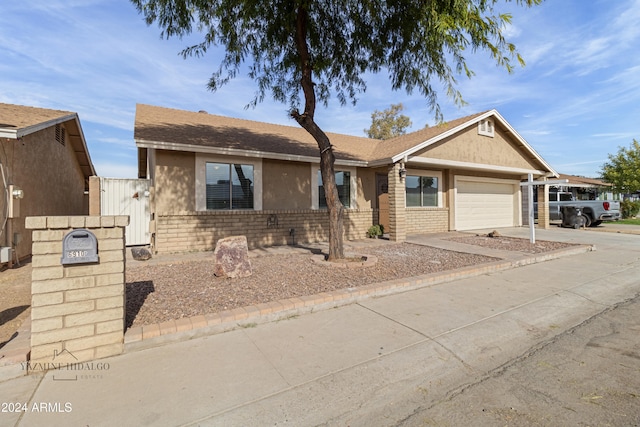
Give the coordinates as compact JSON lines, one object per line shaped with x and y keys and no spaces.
{"x":141,"y":254}
{"x":231,"y":257}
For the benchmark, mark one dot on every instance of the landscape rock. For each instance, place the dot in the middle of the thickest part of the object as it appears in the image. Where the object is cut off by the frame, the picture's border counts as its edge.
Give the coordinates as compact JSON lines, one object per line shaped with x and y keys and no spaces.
{"x":231,"y":257}
{"x":141,"y":254}
{"x":494,"y":233}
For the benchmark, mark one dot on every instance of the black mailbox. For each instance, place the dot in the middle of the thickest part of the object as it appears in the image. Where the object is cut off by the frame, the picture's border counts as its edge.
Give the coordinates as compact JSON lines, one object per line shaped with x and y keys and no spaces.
{"x":79,"y":247}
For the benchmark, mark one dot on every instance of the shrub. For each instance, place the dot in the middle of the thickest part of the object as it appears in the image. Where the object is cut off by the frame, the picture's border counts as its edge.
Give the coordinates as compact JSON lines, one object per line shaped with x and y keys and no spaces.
{"x":375,"y":231}
{"x":629,"y":209}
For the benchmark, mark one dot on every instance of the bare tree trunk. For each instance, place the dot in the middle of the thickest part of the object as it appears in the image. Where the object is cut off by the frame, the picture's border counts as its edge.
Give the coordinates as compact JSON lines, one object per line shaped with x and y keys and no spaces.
{"x":334,"y":205}
{"x":327,"y":159}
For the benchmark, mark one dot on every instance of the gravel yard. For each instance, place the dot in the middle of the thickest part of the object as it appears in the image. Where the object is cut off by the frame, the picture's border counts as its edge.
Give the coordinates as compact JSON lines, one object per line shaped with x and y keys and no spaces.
{"x":510,"y":243}
{"x":161,"y":291}
{"x":165,"y":292}
{"x":157,"y":293}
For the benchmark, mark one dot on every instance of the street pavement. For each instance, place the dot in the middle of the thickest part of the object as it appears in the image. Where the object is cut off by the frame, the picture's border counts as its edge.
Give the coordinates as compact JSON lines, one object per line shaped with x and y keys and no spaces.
{"x":421,"y":357}
{"x":587,"y":376}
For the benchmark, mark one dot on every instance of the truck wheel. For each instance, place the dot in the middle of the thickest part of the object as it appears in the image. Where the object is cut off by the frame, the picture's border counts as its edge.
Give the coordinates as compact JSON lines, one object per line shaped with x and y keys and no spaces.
{"x":587,"y":220}
{"x":596,"y":223}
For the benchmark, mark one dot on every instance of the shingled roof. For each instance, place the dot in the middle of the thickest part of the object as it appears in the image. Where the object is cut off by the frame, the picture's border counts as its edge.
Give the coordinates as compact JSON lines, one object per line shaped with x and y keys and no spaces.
{"x":581,"y":181}
{"x":165,"y":128}
{"x":202,"y":131}
{"x":17,"y":121}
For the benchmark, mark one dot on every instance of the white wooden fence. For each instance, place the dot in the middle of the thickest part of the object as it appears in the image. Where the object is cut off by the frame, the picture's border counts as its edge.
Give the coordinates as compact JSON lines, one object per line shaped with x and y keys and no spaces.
{"x":128,"y":197}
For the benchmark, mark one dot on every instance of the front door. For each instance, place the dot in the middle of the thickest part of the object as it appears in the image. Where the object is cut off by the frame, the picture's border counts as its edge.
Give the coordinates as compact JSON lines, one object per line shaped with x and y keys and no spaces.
{"x":382,"y":192}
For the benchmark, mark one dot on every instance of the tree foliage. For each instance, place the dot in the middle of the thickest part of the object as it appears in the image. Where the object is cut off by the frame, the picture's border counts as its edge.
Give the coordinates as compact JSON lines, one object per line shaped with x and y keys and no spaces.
{"x":304,"y":51}
{"x":623,"y":169}
{"x":411,"y":40}
{"x":389,"y":123}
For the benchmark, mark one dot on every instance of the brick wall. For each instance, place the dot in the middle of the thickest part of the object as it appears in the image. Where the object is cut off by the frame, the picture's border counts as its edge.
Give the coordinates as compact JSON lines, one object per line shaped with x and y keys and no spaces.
{"x":199,"y":231}
{"x":397,"y":203}
{"x":427,"y":220}
{"x":79,"y":309}
{"x":94,"y":196}
{"x":543,"y":206}
{"x":525,"y":205}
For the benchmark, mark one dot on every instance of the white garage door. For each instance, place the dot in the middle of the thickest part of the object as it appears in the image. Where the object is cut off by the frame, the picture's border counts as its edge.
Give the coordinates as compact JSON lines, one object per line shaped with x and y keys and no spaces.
{"x":485,"y":204}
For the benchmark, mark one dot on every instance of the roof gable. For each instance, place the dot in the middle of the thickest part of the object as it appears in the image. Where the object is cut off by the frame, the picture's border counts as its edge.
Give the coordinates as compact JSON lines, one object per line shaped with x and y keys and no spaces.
{"x":17,"y":121}
{"x":397,"y":148}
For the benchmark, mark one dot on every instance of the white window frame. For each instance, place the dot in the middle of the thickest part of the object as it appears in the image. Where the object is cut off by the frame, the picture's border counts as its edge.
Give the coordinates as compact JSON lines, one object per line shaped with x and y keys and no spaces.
{"x":430,"y":174}
{"x":201,"y":178}
{"x":486,"y":127}
{"x":353,"y":182}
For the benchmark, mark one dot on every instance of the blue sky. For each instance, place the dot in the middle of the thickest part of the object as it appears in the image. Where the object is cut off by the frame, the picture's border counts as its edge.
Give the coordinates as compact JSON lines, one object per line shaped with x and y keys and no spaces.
{"x":577,"y":99}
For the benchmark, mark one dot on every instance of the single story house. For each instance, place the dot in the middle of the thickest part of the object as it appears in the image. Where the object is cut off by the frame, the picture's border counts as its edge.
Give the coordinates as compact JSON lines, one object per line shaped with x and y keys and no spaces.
{"x":45,"y":168}
{"x":216,"y":176}
{"x":584,"y":188}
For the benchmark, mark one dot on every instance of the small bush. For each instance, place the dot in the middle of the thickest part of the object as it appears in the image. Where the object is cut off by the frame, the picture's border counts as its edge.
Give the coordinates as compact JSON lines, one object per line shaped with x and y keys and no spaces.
{"x":375,"y":231}
{"x":629,"y":209}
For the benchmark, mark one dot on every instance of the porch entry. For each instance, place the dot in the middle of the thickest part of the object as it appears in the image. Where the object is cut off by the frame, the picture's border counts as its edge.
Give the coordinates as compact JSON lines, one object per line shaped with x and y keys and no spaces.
{"x":382,"y":193}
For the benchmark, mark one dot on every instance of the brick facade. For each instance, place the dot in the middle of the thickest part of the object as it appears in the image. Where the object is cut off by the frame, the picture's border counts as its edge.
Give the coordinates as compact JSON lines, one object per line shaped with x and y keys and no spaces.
{"x":543,"y":206}
{"x":427,"y":220}
{"x":397,"y":203}
{"x":199,"y":231}
{"x":77,"y":309}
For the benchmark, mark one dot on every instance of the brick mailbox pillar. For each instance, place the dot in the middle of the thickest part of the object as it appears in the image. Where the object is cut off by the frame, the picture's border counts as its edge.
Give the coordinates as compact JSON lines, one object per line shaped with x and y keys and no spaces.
{"x":77,"y":304}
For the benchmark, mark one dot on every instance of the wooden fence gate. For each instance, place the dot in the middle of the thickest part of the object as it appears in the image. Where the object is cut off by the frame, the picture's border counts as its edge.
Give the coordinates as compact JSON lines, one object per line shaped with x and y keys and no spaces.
{"x":128,"y":197}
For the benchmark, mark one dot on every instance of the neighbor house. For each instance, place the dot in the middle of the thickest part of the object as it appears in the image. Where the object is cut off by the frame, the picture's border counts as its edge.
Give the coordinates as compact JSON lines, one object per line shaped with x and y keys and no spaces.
{"x":584,"y":188}
{"x":216,"y":176}
{"x":45,"y":168}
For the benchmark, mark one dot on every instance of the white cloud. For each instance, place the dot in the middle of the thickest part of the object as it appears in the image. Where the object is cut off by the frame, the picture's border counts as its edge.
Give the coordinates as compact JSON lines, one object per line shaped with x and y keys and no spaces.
{"x":115,"y":170}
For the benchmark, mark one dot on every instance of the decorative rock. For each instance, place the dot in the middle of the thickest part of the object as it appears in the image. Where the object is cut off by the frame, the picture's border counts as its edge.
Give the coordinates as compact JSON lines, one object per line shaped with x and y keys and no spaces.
{"x":494,"y":233}
{"x":231,"y":257}
{"x":141,"y":254}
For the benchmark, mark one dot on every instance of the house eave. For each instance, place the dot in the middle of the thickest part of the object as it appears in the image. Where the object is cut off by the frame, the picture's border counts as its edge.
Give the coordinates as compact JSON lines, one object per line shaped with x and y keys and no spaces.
{"x":425,"y":161}
{"x":86,"y":165}
{"x":8,"y":133}
{"x":141,"y":143}
{"x":19,"y":133}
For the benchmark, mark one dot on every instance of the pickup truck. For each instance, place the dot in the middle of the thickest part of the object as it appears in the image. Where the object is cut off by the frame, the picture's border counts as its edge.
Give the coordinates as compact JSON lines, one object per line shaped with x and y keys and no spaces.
{"x":593,"y":211}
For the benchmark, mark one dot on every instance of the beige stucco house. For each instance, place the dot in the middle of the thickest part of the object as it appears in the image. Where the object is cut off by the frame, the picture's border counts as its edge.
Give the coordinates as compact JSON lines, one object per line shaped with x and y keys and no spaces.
{"x":216,"y":176}
{"x":44,"y":170}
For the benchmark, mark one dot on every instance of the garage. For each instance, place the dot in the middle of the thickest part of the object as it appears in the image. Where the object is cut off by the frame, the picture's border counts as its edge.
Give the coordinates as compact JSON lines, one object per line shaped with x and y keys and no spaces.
{"x":486,"y":203}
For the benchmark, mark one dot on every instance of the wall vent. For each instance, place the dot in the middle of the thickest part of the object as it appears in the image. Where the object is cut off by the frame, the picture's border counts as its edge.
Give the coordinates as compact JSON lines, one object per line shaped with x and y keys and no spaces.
{"x":485,"y":127}
{"x":60,"y":134}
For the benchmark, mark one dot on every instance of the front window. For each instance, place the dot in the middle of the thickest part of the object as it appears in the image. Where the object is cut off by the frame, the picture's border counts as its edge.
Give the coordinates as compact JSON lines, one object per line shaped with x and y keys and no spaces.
{"x":229,"y":186}
{"x":421,"y":191}
{"x":343,"y":181}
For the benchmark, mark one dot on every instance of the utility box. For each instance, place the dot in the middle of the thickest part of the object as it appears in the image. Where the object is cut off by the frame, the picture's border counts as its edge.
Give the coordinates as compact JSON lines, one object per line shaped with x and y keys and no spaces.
{"x":15,"y":194}
{"x":5,"y":254}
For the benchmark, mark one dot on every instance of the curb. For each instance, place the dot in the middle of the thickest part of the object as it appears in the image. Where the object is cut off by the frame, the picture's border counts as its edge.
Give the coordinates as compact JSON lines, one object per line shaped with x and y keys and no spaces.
{"x":154,"y":335}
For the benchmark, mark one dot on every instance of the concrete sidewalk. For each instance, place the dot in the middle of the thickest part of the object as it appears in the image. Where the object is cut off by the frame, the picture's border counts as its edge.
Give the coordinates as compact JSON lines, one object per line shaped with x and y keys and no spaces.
{"x":358,"y":364}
